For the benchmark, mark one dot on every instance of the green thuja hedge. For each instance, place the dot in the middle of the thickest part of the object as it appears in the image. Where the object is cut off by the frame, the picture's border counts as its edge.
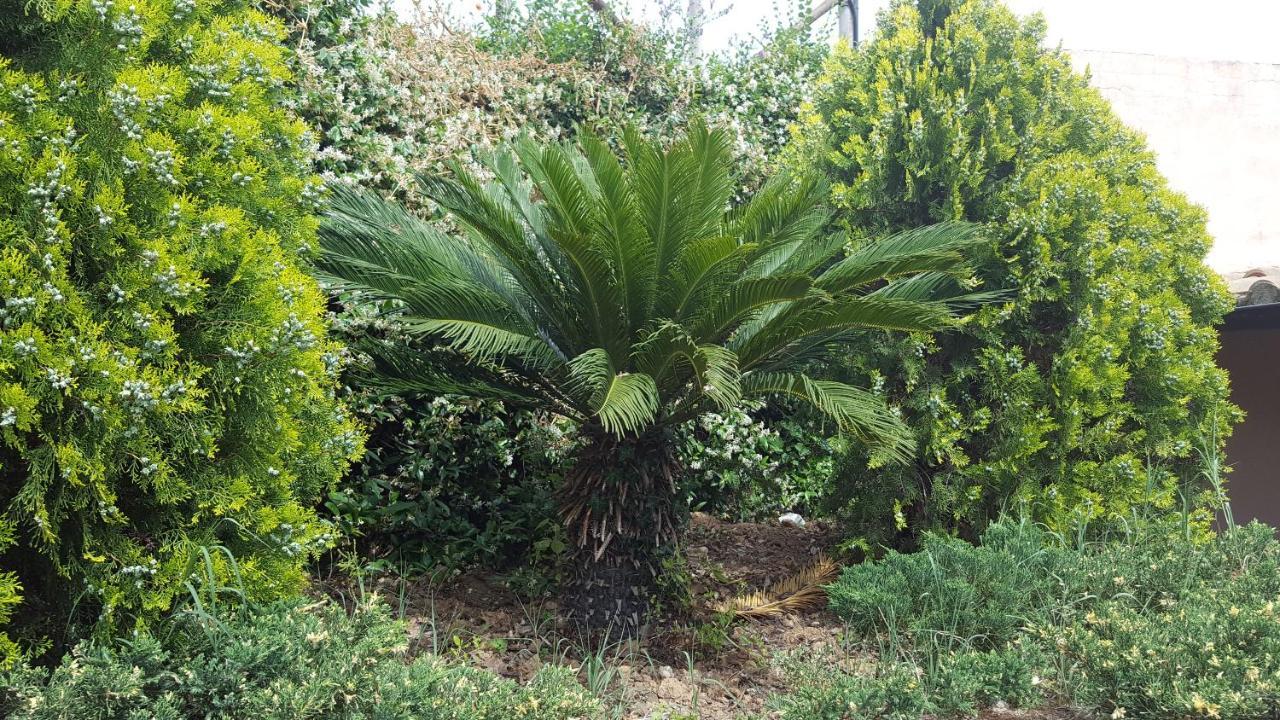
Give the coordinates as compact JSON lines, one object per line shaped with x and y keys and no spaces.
{"x":165,"y":380}
{"x":9,"y":597}
{"x":1086,"y":393}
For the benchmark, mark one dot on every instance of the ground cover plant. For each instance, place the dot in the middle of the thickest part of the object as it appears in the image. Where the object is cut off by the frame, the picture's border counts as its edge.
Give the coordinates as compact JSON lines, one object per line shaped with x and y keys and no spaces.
{"x":1090,"y":389}
{"x":165,"y":378}
{"x":1144,"y":623}
{"x":282,"y":662}
{"x":622,"y":295}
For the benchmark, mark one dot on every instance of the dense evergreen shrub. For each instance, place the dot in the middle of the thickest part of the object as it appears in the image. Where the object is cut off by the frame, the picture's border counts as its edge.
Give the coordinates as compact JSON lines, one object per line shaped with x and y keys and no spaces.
{"x":282,"y":662}
{"x":753,"y":463}
{"x":165,"y":380}
{"x":451,"y":481}
{"x":1087,"y":392}
{"x":9,"y":597}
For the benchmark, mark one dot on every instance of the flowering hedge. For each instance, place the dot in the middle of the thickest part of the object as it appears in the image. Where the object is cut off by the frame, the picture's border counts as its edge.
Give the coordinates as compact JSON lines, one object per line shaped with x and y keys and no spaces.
{"x":753,"y":463}
{"x":1090,"y":390}
{"x":165,"y":380}
{"x":393,"y":97}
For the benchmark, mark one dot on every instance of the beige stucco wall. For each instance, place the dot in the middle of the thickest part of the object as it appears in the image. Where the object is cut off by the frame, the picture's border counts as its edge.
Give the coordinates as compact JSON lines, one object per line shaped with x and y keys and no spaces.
{"x":1215,"y":127}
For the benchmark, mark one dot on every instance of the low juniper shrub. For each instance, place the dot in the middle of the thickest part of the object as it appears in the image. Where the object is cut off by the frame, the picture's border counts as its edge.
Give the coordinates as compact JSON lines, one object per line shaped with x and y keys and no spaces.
{"x":281,"y":662}
{"x":1146,"y":623}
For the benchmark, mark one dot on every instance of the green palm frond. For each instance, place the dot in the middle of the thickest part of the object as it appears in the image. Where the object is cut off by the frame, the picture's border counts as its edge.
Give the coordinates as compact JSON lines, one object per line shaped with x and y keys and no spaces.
{"x":716,"y":369}
{"x":629,"y":404}
{"x":589,"y":376}
{"x":930,"y":249}
{"x":759,"y":343}
{"x":940,"y":288}
{"x":435,"y":371}
{"x":629,"y":249}
{"x":787,"y":208}
{"x":748,"y":296}
{"x":482,"y":341}
{"x":855,"y":410}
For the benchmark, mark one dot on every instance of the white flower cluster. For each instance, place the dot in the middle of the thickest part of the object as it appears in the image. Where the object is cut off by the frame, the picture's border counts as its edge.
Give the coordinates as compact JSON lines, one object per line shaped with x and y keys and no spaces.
{"x":16,"y":309}
{"x":162,"y":163}
{"x":167,"y":282}
{"x":47,"y":197}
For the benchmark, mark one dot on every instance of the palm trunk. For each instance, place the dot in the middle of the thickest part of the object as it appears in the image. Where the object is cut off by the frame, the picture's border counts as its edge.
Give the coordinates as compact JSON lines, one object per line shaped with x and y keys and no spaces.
{"x":620,"y":505}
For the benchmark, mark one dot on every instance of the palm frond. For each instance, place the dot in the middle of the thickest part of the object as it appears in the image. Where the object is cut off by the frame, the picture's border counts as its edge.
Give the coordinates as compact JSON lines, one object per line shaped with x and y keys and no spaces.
{"x":716,"y":368}
{"x":786,"y":209}
{"x":764,"y":342}
{"x":936,"y":248}
{"x":664,"y":182}
{"x":702,"y":267}
{"x":803,"y":591}
{"x":854,"y":410}
{"x":482,"y":341}
{"x":495,"y":223}
{"x":622,"y":234}
{"x":712,"y":151}
{"x":589,"y":376}
{"x":629,"y":404}
{"x":940,"y":288}
{"x":430,"y":372}
{"x":747,"y":296}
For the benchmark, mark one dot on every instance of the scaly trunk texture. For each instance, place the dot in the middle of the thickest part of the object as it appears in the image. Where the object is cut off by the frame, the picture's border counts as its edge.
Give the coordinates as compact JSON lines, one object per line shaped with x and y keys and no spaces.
{"x":621,"y":508}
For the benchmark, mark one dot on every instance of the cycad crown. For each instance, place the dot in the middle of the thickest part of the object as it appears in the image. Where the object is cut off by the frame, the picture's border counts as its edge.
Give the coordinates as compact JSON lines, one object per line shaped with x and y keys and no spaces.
{"x":626,"y":294}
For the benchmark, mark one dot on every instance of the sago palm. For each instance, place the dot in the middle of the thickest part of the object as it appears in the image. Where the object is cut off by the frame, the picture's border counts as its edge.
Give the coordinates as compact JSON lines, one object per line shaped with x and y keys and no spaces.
{"x":623,"y":293}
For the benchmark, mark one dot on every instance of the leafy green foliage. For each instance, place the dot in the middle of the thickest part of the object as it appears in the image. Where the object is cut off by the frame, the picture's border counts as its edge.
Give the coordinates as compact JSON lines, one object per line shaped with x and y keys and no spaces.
{"x":450,"y":482}
{"x":1149,"y":623}
{"x":165,"y":381}
{"x":282,"y":662}
{"x":369,"y":83}
{"x":9,"y":597}
{"x":756,"y":464}
{"x":1085,"y":393}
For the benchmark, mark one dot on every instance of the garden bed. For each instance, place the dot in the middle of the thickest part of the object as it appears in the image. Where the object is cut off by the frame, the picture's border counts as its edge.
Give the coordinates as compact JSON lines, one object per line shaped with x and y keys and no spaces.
{"x":475,"y":617}
{"x":690,"y":663}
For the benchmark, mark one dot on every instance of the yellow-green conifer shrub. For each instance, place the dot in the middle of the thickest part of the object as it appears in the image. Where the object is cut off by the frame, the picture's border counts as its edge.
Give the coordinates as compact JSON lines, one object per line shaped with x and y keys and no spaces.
{"x":166,"y":384}
{"x":1085,"y":394}
{"x":8,"y":598}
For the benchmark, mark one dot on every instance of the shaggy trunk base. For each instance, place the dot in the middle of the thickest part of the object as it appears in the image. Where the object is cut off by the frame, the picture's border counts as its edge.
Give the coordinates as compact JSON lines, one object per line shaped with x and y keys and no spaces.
{"x":621,"y":510}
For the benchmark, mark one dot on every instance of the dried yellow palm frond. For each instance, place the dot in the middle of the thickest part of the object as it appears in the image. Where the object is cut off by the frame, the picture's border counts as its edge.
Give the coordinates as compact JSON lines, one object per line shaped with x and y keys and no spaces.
{"x":801,"y":591}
